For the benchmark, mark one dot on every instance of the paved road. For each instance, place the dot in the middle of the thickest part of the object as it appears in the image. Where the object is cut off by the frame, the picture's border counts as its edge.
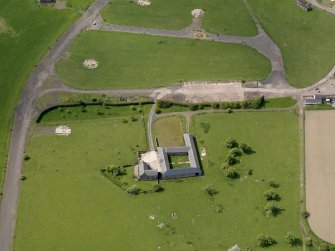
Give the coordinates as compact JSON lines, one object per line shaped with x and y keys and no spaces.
{"x":315,"y":3}
{"x":24,"y":113}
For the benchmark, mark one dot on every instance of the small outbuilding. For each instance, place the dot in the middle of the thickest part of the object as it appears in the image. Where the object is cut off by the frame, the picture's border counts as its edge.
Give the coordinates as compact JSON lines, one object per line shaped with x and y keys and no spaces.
{"x":313,"y":101}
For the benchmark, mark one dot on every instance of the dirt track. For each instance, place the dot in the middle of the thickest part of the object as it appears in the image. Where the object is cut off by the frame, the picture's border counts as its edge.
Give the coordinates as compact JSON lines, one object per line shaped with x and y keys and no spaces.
{"x":320,"y":172}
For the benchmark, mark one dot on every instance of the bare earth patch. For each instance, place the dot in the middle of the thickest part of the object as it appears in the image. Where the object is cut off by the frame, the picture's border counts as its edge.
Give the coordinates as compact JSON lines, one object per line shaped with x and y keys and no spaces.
{"x":320,"y":172}
{"x":90,"y":64}
{"x":143,"y":2}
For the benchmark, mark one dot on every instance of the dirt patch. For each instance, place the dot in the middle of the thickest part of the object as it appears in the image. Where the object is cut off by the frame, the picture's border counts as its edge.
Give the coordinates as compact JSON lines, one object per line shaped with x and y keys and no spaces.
{"x":320,"y":172}
{"x":90,"y":64}
{"x":60,"y":5}
{"x":197,"y":13}
{"x":6,"y":28}
{"x":143,"y":2}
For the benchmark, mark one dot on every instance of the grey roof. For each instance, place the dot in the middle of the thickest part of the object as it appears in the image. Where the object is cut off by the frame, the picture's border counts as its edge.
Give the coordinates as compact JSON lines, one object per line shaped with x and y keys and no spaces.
{"x":313,"y":101}
{"x":167,"y":172}
{"x":324,"y":96}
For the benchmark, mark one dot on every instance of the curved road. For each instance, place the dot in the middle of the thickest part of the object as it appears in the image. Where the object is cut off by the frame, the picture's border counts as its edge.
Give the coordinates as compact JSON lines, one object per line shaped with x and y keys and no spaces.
{"x":26,"y":109}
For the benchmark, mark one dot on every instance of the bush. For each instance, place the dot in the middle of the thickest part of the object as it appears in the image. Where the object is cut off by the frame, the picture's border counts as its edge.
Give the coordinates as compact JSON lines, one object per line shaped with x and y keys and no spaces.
{"x":323,"y":247}
{"x":245,"y":148}
{"x":125,"y":121}
{"x":115,"y":171}
{"x":194,"y":107}
{"x":26,"y":157}
{"x":157,"y":188}
{"x":305,"y":214}
{"x":271,"y":209}
{"x":215,"y":105}
{"x":231,"y":143}
{"x":265,"y":240}
{"x":271,"y":195}
{"x":231,"y":173}
{"x":231,"y":160}
{"x":133,"y":190}
{"x":292,"y":239}
{"x":309,"y":242}
{"x":210,"y":190}
{"x":23,"y":178}
{"x":235,"y":152}
{"x":273,"y":183}
{"x":229,"y":110}
{"x":157,"y":110}
{"x":225,"y":166}
{"x":164,"y":104}
{"x":205,"y":127}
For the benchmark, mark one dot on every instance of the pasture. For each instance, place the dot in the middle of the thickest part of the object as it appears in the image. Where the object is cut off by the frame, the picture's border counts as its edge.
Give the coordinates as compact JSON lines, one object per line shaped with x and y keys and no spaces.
{"x":70,"y":198}
{"x":306,"y":39}
{"x":169,"y":131}
{"x":221,"y":16}
{"x":143,"y":61}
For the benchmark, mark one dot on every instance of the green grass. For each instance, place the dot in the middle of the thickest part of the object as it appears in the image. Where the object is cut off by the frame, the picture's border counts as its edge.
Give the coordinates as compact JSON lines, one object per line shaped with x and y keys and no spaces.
{"x":221,"y":16}
{"x":139,"y":61}
{"x":64,"y":114}
{"x":169,"y":131}
{"x":70,"y":198}
{"x":80,"y":5}
{"x":319,"y":107}
{"x":280,"y":102}
{"x":32,"y":29}
{"x":306,"y":39}
{"x":179,"y":161}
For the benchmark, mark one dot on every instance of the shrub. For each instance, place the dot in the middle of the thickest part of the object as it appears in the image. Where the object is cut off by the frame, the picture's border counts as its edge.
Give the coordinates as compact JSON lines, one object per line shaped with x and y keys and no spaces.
{"x":305,"y":214}
{"x":229,"y":110}
{"x":205,"y":127}
{"x":23,"y":178}
{"x":232,"y":160}
{"x":194,"y":107}
{"x":215,"y":105}
{"x":133,"y":190}
{"x":245,"y":148}
{"x":134,"y":119}
{"x":225,"y":166}
{"x":235,"y":152}
{"x":115,"y":170}
{"x":231,"y":173}
{"x":271,"y":195}
{"x":210,"y":190}
{"x":26,"y":157}
{"x":125,"y":121}
{"x":292,"y":239}
{"x":323,"y":247}
{"x":265,"y":240}
{"x":309,"y":242}
{"x":231,"y":143}
{"x":271,"y":209}
{"x":273,"y":183}
{"x":157,"y":188}
{"x":157,"y":110}
{"x":164,"y":104}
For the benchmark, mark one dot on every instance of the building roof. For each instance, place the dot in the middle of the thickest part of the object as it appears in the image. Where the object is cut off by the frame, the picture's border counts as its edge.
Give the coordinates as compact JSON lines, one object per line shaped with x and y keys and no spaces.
{"x":163,"y":154}
{"x":313,"y":101}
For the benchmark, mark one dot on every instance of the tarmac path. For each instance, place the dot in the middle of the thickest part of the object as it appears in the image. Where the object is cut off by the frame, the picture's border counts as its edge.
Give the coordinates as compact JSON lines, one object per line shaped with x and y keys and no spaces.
{"x":275,"y":84}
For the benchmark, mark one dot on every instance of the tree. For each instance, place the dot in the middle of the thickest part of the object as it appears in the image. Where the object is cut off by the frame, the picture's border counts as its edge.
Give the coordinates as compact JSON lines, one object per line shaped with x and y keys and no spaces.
{"x":235,"y":152}
{"x":157,"y":110}
{"x":26,"y":157}
{"x":309,"y":242}
{"x":323,"y":247}
{"x":271,"y":209}
{"x":231,"y":173}
{"x":265,"y":240}
{"x":194,"y":107}
{"x":245,"y":148}
{"x":231,"y":143}
{"x":292,"y":239}
{"x":231,"y":160}
{"x":271,"y":195}
{"x":115,"y":170}
{"x":273,"y":183}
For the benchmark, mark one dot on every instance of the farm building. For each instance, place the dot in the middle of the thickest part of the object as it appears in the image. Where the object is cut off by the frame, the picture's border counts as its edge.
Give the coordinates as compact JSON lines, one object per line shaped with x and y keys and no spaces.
{"x":303,"y":5}
{"x":313,"y":101}
{"x":156,"y":165}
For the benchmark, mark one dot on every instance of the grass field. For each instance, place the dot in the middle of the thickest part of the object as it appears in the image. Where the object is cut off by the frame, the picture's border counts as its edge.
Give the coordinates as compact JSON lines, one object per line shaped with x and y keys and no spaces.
{"x":139,"y":61}
{"x":26,"y":32}
{"x":169,"y":131}
{"x":306,"y":39}
{"x":280,"y":102}
{"x":76,"y":208}
{"x":221,"y":16}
